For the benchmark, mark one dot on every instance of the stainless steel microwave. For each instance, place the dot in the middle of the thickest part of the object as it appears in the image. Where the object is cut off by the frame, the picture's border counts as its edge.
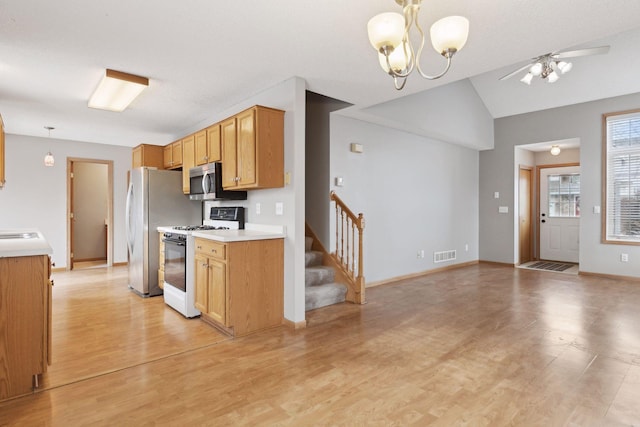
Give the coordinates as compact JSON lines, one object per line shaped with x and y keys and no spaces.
{"x":205,"y":183}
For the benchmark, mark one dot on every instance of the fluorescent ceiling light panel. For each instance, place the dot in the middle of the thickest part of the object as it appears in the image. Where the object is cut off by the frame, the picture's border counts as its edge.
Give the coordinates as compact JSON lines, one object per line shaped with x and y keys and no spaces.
{"x":117,"y":90}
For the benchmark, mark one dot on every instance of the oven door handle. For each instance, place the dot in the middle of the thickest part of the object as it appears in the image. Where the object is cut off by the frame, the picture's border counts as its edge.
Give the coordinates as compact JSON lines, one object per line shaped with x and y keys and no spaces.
{"x":173,"y":242}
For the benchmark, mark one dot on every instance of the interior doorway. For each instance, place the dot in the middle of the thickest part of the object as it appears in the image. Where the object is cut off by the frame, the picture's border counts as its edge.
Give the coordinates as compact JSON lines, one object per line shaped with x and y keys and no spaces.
{"x":89,"y":213}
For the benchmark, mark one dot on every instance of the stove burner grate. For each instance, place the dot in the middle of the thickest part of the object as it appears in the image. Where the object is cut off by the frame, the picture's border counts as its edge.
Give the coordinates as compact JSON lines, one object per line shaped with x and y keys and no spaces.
{"x":198,"y":227}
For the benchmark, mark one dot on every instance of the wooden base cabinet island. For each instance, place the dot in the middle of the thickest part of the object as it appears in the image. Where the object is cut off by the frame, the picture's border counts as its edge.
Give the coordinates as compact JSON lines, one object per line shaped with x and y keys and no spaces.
{"x":239,"y":284}
{"x":25,"y":311}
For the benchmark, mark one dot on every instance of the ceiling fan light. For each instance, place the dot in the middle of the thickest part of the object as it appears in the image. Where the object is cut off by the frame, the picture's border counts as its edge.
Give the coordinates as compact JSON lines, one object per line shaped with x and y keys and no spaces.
{"x":553,"y":77}
{"x":555,"y":150}
{"x":536,"y":69}
{"x":527,"y":78}
{"x":564,"y":67}
{"x":449,"y":34}
{"x":397,"y":59}
{"x":386,"y":29}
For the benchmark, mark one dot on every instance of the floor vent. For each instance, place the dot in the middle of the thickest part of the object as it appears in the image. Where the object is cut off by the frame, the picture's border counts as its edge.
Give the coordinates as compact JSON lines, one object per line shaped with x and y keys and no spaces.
{"x":444,"y":256}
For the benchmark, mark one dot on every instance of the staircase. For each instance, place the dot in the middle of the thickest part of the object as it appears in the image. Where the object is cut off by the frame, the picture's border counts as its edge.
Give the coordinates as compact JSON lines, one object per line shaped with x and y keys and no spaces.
{"x":320,"y":287}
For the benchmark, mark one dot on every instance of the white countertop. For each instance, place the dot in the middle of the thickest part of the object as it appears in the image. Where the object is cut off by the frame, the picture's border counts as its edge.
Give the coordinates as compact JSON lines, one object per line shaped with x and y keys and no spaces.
{"x":251,"y":232}
{"x":23,"y":242}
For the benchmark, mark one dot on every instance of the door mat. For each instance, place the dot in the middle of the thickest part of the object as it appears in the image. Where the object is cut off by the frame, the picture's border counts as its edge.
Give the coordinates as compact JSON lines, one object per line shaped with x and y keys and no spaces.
{"x":550,"y":266}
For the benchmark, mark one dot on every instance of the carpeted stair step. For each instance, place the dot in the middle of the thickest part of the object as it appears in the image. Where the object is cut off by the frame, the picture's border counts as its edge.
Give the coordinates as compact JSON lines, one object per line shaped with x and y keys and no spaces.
{"x":312,"y":258}
{"x":314,"y":276}
{"x":323,"y":295}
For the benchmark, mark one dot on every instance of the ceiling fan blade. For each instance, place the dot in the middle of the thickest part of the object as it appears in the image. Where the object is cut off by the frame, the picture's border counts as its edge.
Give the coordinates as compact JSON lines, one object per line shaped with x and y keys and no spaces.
{"x":581,"y":52}
{"x":513,"y":73}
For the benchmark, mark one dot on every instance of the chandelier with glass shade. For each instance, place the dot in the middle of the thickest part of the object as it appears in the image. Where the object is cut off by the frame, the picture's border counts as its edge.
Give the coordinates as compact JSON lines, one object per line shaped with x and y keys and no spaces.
{"x":390,"y":34}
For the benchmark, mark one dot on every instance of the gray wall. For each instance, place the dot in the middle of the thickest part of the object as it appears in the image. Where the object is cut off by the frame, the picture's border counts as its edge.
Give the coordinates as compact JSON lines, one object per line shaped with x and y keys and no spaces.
{"x":90,"y":210}
{"x":415,"y":193}
{"x":583,"y":121}
{"x":36,"y":195}
{"x":317,"y":181}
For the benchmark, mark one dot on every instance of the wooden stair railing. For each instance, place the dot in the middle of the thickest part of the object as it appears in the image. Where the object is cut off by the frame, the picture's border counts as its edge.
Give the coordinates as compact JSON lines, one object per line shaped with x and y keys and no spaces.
{"x":348,"y":251}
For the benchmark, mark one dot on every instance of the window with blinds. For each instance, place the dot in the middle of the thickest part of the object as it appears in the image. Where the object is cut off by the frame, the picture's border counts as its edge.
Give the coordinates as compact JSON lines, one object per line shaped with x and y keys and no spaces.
{"x":622,"y":175}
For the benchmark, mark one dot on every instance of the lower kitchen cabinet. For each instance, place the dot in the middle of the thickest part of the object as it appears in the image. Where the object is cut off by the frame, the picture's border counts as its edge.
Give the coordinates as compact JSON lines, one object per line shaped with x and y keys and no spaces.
{"x":25,"y":322}
{"x":240,"y":285}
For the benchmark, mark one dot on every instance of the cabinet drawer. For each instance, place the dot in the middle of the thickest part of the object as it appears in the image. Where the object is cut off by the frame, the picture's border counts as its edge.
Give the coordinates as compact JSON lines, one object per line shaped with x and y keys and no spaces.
{"x":211,"y":248}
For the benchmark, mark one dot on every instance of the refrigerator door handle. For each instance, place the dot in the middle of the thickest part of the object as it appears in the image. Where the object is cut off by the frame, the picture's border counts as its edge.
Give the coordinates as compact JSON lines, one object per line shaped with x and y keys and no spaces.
{"x":128,"y":219}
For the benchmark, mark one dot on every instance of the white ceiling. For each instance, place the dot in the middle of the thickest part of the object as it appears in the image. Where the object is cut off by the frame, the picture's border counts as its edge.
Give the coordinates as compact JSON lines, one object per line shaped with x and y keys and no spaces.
{"x":206,"y":56}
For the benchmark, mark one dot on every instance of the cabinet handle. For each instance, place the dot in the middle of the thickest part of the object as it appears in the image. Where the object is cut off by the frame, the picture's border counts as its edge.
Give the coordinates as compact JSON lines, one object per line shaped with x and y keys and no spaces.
{"x":214,"y":251}
{"x":198,"y":247}
{"x":51,"y":282}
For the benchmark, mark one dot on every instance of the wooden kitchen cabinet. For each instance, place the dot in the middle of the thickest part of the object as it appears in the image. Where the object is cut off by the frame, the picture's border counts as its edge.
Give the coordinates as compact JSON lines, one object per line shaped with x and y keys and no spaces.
{"x":172,"y":155}
{"x":188,"y":160}
{"x":208,"y":145}
{"x":253,"y":149}
{"x":240,"y":285}
{"x":2,"y":177}
{"x":147,"y":155}
{"x":25,"y":322}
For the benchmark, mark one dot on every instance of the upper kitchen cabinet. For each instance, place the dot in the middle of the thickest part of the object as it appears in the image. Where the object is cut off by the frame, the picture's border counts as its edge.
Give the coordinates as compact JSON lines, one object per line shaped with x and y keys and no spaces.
{"x":253,"y":149}
{"x":208,"y":145}
{"x":147,"y":155}
{"x":1,"y":153}
{"x":188,"y":160}
{"x":172,"y":155}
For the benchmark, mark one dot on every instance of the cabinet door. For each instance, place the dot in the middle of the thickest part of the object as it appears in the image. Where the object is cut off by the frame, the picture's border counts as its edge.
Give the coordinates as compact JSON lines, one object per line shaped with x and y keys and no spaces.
{"x":217,"y":293}
{"x":1,"y":153}
{"x":167,"y":156}
{"x":176,"y":154}
{"x":202,"y":154}
{"x":202,"y":282}
{"x":229,"y":155}
{"x":188,"y":160}
{"x":246,"y":162}
{"x":213,"y":143}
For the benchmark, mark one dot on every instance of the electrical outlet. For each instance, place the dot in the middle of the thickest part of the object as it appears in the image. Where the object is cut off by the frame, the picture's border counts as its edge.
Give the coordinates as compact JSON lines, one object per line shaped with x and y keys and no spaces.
{"x":466,"y":247}
{"x":279,"y":208}
{"x":258,"y":208}
{"x":624,"y":257}
{"x":420,"y":254}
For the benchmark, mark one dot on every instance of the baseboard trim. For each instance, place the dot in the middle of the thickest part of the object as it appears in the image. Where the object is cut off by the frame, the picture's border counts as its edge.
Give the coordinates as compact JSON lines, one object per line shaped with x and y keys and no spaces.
{"x":90,"y":259}
{"x":609,"y":276}
{"x":295,"y":325}
{"x":421,"y":273}
{"x":120,"y":264}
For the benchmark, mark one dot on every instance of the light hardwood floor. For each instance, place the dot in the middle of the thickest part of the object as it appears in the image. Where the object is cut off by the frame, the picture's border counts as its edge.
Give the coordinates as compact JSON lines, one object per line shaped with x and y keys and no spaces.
{"x":481,"y":345}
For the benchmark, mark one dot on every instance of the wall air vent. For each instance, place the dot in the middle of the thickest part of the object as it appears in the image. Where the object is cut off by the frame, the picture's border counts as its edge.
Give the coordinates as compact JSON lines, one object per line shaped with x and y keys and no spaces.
{"x":444,"y":256}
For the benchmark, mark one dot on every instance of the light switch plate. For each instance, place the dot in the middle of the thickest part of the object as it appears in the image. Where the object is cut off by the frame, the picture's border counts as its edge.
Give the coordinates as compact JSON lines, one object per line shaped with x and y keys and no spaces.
{"x":596,"y":209}
{"x":279,"y":208}
{"x":503,"y":209}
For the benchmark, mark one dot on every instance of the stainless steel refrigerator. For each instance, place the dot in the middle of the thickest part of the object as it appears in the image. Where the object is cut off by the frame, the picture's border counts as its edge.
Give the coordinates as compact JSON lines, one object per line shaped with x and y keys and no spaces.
{"x":154,"y":199}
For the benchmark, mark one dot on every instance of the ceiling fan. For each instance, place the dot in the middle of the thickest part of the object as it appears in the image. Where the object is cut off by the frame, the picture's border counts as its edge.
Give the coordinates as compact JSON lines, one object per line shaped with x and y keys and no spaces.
{"x":550,"y":65}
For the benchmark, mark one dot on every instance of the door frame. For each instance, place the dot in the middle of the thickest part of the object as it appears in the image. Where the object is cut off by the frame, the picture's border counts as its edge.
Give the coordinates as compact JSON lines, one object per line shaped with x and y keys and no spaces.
{"x":70,"y":163}
{"x":531,"y":217}
{"x":538,"y":170}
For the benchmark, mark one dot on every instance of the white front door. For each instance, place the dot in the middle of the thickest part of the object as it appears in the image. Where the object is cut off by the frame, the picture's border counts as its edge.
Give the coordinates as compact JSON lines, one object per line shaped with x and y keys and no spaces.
{"x":560,"y":213}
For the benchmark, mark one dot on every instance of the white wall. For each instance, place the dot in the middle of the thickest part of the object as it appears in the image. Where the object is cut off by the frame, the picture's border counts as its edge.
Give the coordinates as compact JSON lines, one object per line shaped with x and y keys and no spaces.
{"x":583,"y":121}
{"x":415,"y":193}
{"x":36,"y":195}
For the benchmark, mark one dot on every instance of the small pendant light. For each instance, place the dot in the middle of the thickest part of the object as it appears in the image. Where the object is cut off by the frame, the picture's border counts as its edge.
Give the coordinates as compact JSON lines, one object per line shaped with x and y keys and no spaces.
{"x":48,"y":159}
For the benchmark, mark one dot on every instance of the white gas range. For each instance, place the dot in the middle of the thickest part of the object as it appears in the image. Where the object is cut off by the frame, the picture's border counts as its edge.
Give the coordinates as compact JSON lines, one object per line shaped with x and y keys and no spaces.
{"x":179,"y":248}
